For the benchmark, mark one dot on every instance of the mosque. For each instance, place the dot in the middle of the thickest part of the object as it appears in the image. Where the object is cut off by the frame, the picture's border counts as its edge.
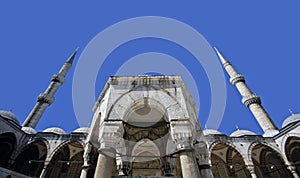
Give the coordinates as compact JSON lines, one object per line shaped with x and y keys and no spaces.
{"x":147,"y":127}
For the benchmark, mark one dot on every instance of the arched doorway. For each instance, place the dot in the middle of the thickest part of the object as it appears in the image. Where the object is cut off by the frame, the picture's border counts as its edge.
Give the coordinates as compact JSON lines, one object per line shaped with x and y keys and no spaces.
{"x":145,"y":136}
{"x":227,"y":162}
{"x":268,"y":163}
{"x":292,"y":150}
{"x":31,"y":160}
{"x":7,"y":146}
{"x":66,"y":162}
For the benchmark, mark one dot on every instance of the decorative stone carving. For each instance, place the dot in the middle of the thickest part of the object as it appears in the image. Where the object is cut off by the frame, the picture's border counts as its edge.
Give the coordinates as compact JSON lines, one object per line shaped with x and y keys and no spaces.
{"x":110,"y":133}
{"x":44,"y":98}
{"x":236,"y":79}
{"x":251,"y":99}
{"x":182,"y":134}
{"x":86,"y":154}
{"x":58,"y":79}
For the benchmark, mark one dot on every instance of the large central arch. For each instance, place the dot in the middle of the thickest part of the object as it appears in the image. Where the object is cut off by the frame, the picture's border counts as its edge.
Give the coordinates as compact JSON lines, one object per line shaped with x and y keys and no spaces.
{"x":158,"y":98}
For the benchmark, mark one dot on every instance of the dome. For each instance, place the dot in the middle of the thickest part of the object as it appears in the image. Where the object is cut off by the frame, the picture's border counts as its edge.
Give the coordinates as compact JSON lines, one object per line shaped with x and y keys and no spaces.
{"x":211,"y":132}
{"x":28,"y":130}
{"x":239,"y":133}
{"x":9,"y":116}
{"x":291,"y":119}
{"x":55,"y":130}
{"x":82,"y":130}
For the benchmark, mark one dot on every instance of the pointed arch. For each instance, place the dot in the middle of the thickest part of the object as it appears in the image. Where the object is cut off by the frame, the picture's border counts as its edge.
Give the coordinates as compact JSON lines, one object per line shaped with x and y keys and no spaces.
{"x":268,"y":162}
{"x":227,"y":161}
{"x":146,"y":159}
{"x":66,"y":160}
{"x":161,"y":98}
{"x":30,"y":161}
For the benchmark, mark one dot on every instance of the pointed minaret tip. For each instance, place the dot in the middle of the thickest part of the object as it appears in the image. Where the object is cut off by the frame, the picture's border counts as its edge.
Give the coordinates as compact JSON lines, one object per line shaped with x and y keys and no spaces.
{"x":72,"y":57}
{"x":221,"y":57}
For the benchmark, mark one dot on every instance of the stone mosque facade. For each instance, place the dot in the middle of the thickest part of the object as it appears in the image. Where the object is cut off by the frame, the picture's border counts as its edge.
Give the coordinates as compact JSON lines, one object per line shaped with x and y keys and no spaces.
{"x":147,"y":126}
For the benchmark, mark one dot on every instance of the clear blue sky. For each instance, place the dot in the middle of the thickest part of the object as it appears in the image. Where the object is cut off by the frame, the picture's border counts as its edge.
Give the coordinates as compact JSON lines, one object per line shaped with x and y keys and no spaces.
{"x":261,"y":39}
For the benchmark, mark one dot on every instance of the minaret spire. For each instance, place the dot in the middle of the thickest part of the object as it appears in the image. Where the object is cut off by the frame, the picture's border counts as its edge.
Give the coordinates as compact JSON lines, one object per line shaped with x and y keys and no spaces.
{"x":252,"y":101}
{"x":222,"y":59}
{"x":47,"y":98}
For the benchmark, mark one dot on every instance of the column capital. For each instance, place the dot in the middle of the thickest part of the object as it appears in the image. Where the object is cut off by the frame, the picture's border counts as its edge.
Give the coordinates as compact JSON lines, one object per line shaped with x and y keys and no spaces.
{"x":86,"y":154}
{"x":251,"y":169}
{"x":182,"y":134}
{"x":293,"y":169}
{"x":110,"y":133}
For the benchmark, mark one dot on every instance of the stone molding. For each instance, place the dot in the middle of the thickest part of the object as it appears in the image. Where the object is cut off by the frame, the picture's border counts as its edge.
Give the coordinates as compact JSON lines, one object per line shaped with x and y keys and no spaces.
{"x":182,"y":134}
{"x":237,"y":78}
{"x":44,"y":98}
{"x":251,"y":99}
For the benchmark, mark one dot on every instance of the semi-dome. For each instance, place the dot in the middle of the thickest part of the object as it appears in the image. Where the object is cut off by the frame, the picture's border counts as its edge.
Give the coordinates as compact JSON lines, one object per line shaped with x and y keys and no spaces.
{"x":211,"y":132}
{"x":9,"y":116}
{"x":29,"y":130}
{"x":82,"y":130}
{"x":291,"y":119}
{"x":239,"y":133}
{"x":56,"y":130}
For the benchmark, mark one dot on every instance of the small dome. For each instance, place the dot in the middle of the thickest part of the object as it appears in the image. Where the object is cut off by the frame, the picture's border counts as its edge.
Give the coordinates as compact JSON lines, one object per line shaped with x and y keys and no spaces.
{"x":239,"y":133}
{"x":55,"y":130}
{"x":29,"y":130}
{"x":211,"y":132}
{"x":291,"y":119}
{"x":10,"y":116}
{"x":82,"y":130}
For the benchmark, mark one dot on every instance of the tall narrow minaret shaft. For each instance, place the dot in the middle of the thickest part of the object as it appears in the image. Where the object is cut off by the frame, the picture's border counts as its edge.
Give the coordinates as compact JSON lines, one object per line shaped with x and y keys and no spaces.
{"x":252,"y":101}
{"x":47,"y":98}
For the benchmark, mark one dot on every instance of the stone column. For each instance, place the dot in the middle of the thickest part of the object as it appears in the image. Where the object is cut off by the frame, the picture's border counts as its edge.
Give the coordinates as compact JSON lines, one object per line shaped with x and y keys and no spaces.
{"x":167,"y":166}
{"x":105,"y":163}
{"x":86,"y":158}
{"x":44,"y":171}
{"x":110,"y":134}
{"x":251,"y":170}
{"x":203,"y":157}
{"x":189,"y":166}
{"x":182,"y":134}
{"x":292,"y":169}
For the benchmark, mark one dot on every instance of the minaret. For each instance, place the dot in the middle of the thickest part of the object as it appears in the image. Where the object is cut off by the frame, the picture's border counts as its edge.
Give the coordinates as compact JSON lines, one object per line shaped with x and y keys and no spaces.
{"x":252,"y":101}
{"x":47,"y":98}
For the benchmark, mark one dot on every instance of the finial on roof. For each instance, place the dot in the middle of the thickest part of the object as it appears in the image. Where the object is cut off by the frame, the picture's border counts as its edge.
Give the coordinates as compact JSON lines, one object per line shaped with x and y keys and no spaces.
{"x":291,"y":112}
{"x":237,"y":127}
{"x":221,"y":57}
